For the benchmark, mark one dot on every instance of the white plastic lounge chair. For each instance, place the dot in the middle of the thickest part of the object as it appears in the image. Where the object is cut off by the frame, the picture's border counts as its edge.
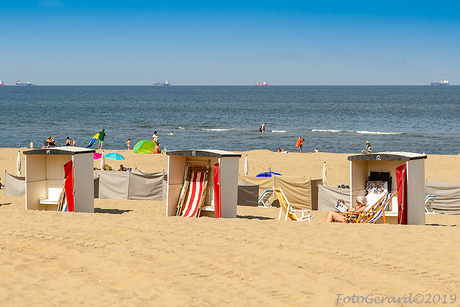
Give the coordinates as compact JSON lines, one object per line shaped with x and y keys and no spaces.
{"x":428,"y":204}
{"x":290,"y":212}
{"x":193,"y":192}
{"x":264,"y":199}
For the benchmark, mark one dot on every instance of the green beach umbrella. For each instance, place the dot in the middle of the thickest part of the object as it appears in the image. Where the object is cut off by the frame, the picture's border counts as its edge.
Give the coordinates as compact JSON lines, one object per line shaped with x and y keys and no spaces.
{"x":144,"y":146}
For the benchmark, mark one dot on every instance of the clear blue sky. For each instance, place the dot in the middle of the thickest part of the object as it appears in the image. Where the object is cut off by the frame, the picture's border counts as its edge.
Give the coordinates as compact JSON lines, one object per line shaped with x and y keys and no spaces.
{"x":59,"y":42}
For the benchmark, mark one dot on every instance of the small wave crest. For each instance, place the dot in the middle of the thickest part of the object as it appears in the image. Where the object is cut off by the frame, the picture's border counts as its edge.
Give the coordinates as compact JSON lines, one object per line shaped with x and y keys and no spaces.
{"x":376,"y":132}
{"x":216,"y":129}
{"x":182,"y":128}
{"x":359,"y":132}
{"x":329,"y":130}
{"x":279,"y":131}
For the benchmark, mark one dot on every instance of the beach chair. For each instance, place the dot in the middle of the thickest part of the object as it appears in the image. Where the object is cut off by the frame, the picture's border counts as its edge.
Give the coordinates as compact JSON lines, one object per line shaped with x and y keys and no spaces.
{"x":264,"y":198}
{"x":428,"y":204}
{"x":290,"y":212}
{"x":193,"y":191}
{"x":372,"y":213}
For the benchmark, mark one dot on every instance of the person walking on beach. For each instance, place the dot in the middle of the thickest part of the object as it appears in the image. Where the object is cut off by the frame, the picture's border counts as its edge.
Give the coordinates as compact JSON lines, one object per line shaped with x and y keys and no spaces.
{"x":262,"y":128}
{"x":68,"y":142}
{"x":74,"y":142}
{"x":155,"y":137}
{"x":128,"y":142}
{"x":101,"y":139}
{"x":299,"y":143}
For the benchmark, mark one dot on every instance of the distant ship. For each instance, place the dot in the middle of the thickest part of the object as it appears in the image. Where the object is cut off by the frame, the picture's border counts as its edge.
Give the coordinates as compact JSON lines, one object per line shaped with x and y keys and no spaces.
{"x":1,"y":83}
{"x":262,"y":84}
{"x":161,"y":84}
{"x":19,"y":83}
{"x":443,"y":82}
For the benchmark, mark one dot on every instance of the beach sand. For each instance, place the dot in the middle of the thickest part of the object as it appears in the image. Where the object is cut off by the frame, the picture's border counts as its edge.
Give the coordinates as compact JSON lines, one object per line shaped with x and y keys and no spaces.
{"x":129,"y":254}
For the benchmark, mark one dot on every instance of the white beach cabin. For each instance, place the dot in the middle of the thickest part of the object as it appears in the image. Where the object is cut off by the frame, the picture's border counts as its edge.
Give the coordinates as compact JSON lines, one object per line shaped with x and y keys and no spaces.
{"x":44,"y":176}
{"x":226,"y":161}
{"x":382,"y":166}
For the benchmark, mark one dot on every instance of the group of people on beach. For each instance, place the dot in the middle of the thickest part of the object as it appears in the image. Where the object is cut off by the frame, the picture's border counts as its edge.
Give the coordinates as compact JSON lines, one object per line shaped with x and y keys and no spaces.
{"x":156,"y":148}
{"x":298,"y":145}
{"x":51,"y":142}
{"x":68,"y":142}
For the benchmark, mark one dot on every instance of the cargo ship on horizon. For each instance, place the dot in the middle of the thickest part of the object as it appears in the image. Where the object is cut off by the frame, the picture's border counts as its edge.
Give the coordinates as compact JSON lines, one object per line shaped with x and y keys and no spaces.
{"x":161,"y":84}
{"x":28,"y":83}
{"x":443,"y":82}
{"x":262,"y":84}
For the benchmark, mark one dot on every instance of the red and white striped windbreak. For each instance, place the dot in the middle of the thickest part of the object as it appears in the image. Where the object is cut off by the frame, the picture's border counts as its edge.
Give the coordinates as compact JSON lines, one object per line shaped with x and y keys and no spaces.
{"x":194,"y":194}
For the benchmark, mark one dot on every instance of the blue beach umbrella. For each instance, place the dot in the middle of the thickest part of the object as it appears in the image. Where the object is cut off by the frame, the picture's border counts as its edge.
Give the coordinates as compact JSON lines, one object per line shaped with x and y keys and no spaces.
{"x":268,"y":174}
{"x":114,"y":156}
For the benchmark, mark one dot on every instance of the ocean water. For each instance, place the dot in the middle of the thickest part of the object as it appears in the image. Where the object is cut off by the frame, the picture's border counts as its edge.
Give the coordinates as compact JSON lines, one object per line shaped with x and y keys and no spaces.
{"x":340,"y":119}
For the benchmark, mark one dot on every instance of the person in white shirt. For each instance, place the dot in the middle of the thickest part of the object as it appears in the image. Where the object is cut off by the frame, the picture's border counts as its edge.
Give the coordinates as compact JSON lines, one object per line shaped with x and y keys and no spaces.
{"x":155,"y":137}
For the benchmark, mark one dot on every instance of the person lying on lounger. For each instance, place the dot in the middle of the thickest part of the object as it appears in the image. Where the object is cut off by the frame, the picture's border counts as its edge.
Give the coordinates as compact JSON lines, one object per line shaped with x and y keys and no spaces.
{"x":282,"y":150}
{"x":334,"y":216}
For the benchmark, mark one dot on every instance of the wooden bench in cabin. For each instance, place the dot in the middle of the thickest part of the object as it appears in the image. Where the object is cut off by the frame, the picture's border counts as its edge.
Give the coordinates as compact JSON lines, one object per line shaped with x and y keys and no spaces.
{"x":52,"y":198}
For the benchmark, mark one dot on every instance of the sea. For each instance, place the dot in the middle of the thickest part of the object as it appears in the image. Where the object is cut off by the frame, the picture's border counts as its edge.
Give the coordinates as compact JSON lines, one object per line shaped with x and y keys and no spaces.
{"x":338,"y":119}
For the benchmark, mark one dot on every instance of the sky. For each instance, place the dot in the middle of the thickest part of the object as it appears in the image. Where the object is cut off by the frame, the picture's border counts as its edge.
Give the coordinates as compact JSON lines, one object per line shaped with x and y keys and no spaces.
{"x":59,"y":42}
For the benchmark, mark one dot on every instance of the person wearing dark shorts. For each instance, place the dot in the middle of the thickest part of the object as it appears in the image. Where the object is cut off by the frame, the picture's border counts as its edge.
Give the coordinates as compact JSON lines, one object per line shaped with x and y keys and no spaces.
{"x":299,"y":143}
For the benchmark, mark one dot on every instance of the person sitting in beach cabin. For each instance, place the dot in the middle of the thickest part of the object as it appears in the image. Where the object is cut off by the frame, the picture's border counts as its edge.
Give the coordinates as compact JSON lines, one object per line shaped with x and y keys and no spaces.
{"x":68,"y":142}
{"x":334,"y":216}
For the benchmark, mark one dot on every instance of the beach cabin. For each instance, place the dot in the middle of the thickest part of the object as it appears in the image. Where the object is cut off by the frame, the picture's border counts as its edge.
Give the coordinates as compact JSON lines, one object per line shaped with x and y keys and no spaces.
{"x":395,"y":171}
{"x":45,"y":178}
{"x":206,"y":179}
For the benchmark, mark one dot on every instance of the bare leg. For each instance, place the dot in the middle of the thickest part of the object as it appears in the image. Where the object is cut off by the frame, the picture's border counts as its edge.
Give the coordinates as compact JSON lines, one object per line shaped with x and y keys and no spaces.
{"x":332,"y":216}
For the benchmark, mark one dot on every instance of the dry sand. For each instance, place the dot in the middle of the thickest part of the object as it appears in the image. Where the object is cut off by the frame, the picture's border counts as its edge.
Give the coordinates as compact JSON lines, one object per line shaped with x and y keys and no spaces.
{"x":129,"y":254}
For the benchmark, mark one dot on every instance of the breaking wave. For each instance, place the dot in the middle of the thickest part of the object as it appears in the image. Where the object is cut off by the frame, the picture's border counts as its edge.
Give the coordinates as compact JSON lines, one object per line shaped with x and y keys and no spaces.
{"x":359,"y":131}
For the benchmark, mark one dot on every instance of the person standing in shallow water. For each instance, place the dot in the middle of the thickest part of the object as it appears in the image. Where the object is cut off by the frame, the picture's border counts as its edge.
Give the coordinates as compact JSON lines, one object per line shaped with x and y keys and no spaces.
{"x":262,"y":128}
